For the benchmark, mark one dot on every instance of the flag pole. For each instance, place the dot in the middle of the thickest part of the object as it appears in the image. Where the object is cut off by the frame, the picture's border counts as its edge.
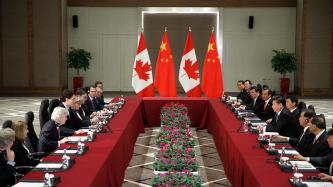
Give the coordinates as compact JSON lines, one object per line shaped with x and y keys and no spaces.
{"x":165,"y":29}
{"x":189,"y":29}
{"x":213,"y":29}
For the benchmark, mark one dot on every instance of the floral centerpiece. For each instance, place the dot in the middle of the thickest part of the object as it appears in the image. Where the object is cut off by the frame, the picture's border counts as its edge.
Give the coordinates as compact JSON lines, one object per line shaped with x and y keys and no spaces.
{"x":175,"y":163}
{"x":176,"y":179}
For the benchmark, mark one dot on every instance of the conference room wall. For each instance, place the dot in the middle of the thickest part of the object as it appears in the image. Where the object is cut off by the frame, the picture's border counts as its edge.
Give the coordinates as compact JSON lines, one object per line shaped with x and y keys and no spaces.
{"x":14,"y":43}
{"x":32,"y":47}
{"x":317,"y":56}
{"x":111,"y":35}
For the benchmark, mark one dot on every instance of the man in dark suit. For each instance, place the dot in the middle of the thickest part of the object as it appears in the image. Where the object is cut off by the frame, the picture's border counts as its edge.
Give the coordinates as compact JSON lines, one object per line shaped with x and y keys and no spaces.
{"x":282,"y":122}
{"x":325,"y":162}
{"x":291,"y":104}
{"x":256,"y":100}
{"x":91,"y":102}
{"x":71,"y":125}
{"x":7,"y":156}
{"x":319,"y":147}
{"x":304,"y":141}
{"x":243,"y":94}
{"x":266,"y":111}
{"x":49,"y":138}
{"x":100,"y":98}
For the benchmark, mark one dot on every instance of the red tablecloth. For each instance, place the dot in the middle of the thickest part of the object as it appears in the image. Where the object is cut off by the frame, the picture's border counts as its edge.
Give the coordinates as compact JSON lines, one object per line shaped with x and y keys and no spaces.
{"x":197,"y":109}
{"x":245,"y":164}
{"x":108,"y":156}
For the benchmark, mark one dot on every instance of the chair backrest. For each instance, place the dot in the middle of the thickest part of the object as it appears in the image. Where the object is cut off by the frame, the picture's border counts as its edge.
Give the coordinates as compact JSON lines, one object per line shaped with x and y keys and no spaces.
{"x":43,"y":114}
{"x":7,"y":124}
{"x":311,"y":107}
{"x":53,"y":103}
{"x":32,"y":136}
{"x":301,"y":105}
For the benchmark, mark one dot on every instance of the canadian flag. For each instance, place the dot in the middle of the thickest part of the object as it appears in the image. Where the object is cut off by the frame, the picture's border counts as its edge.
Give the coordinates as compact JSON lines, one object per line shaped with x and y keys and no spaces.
{"x":142,"y":78}
{"x":189,"y":69}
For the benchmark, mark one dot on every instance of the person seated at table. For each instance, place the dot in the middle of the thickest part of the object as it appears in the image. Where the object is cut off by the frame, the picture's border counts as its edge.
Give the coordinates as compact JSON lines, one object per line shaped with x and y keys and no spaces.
{"x":71,"y":125}
{"x":7,"y":157}
{"x":256,"y":100}
{"x":243,"y":94}
{"x":282,"y":122}
{"x":324,"y":162}
{"x":91,"y":102}
{"x":266,"y":111}
{"x":49,"y":138}
{"x":319,"y":146}
{"x":79,"y":116}
{"x":304,"y":141}
{"x":100,"y":99}
{"x":21,"y":151}
{"x":291,"y":104}
{"x":247,"y":85}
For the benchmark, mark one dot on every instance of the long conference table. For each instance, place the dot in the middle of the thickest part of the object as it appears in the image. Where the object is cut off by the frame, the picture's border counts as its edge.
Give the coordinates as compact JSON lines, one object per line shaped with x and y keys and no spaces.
{"x":104,"y":164}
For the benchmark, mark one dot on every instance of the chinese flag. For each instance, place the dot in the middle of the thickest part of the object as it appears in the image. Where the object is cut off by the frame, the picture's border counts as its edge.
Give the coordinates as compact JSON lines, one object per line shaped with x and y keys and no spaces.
{"x":189,"y":70}
{"x":142,"y":77}
{"x":212,"y":83}
{"x":165,"y":82}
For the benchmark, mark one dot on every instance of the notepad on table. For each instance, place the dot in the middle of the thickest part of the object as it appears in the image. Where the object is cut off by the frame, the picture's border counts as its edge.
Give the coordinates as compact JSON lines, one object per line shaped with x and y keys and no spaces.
{"x":70,"y":151}
{"x":49,"y":165}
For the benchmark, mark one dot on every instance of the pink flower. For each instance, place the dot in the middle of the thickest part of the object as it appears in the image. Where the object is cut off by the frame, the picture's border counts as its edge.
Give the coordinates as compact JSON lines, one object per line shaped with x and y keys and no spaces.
{"x":165,"y":161}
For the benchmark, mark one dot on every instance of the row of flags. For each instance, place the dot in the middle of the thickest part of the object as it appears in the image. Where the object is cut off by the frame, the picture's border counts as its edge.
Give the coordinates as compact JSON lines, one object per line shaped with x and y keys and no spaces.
{"x":165,"y":81}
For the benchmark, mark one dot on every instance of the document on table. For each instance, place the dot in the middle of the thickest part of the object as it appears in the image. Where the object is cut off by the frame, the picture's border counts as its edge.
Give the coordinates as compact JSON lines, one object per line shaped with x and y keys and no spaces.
{"x":289,"y":151}
{"x":304,"y":165}
{"x":68,"y":151}
{"x":252,"y":119}
{"x":49,"y":165}
{"x":262,"y":123}
{"x":29,"y":184}
{"x":270,"y":133}
{"x":77,"y":138}
{"x":318,"y":184}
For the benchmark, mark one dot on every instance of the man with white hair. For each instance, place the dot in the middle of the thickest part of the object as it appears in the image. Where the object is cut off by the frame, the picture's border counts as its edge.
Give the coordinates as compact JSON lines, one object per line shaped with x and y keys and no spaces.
{"x":7,"y":156}
{"x":49,"y":138}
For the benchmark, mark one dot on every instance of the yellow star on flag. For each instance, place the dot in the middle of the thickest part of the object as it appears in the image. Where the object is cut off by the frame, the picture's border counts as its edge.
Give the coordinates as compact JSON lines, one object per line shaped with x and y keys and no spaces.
{"x":210,"y":47}
{"x":163,"y":46}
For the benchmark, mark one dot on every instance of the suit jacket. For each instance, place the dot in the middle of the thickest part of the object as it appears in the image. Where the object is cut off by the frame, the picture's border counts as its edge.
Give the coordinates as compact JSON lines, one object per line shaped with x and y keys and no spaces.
{"x":22,"y":156}
{"x":49,"y":137}
{"x":296,"y":114}
{"x":91,"y":105}
{"x":100,"y":103}
{"x":245,"y":97}
{"x":322,"y":161}
{"x":68,"y":129}
{"x":320,"y":148}
{"x":302,"y":145}
{"x":255,"y":106}
{"x":81,"y":120}
{"x":283,"y":124}
{"x":7,"y":172}
{"x":266,"y":113}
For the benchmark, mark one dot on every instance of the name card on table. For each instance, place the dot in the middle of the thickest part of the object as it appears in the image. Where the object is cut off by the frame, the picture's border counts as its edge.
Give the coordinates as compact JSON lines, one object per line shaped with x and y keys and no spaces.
{"x":77,"y":138}
{"x":29,"y":184}
{"x":68,"y":151}
{"x":303,"y":165}
{"x":288,"y":151}
{"x":49,"y":165}
{"x":318,"y":184}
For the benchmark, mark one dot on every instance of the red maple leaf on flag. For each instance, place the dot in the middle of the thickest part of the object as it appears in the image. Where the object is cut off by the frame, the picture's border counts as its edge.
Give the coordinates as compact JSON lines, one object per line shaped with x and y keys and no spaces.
{"x":191,"y":69}
{"x":142,"y":69}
